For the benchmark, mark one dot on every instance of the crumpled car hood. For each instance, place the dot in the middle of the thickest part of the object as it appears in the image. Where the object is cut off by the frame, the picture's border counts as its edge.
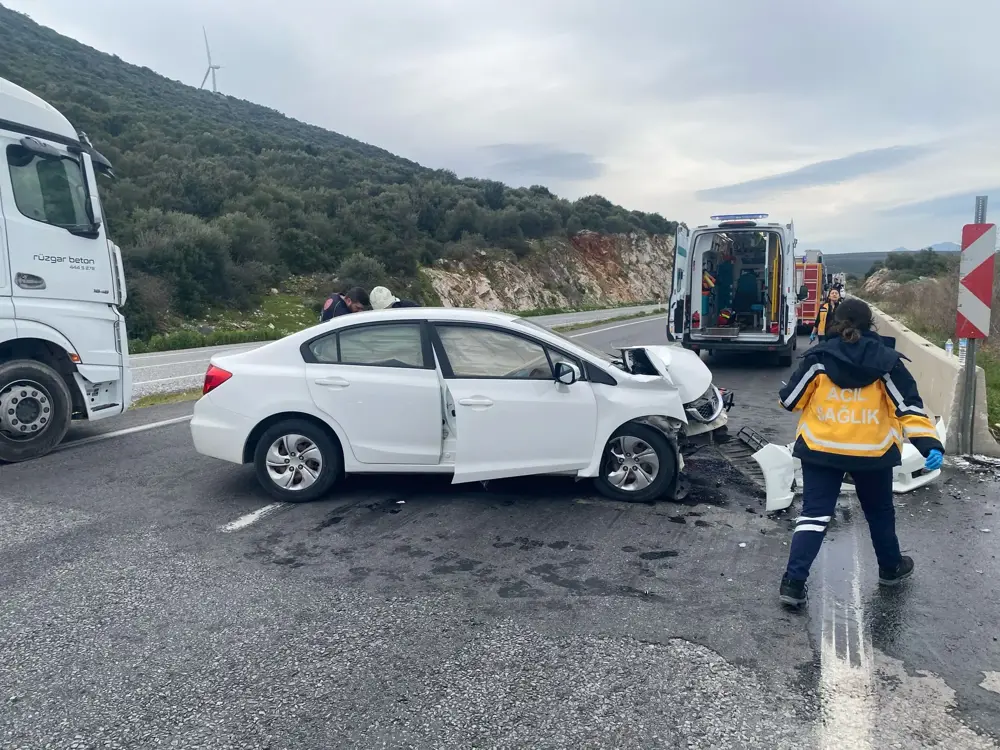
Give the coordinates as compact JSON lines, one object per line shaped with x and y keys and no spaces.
{"x":683,"y":368}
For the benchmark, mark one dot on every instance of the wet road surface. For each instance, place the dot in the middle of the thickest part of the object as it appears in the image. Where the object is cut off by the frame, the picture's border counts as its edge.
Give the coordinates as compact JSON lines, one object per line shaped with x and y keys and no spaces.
{"x":146,"y":602}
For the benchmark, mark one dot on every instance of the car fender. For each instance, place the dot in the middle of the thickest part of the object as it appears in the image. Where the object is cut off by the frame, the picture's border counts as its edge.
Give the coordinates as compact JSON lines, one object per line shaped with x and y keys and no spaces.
{"x":619,"y":406}
{"x":289,"y":406}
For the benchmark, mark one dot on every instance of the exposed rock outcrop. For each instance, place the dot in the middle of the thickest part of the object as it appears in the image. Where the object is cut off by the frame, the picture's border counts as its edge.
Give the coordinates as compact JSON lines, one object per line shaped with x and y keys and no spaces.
{"x":588,"y":268}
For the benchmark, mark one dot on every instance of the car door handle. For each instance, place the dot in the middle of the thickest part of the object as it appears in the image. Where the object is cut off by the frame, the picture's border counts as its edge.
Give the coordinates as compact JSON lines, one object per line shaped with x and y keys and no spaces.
{"x":475,"y":401}
{"x":333,"y":382}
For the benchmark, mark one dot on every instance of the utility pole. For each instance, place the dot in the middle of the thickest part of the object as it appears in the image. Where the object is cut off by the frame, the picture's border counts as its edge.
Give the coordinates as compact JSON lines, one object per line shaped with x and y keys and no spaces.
{"x":968,"y":413}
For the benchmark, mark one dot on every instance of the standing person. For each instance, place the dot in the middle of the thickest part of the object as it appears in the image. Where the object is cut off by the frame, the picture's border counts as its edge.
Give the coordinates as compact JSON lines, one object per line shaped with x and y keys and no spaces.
{"x":382,"y":298}
{"x":354,"y":299}
{"x":858,"y":402}
{"x":825,"y":315}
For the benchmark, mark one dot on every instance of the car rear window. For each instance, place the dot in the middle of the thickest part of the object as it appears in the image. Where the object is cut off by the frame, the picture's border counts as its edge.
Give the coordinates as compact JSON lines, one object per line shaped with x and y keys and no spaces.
{"x":377,"y":345}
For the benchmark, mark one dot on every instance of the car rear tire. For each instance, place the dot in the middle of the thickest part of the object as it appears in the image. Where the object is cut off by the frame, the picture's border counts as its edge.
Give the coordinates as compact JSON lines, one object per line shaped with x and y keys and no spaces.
{"x":638,"y":465}
{"x":37,"y":410}
{"x":297,"y":461}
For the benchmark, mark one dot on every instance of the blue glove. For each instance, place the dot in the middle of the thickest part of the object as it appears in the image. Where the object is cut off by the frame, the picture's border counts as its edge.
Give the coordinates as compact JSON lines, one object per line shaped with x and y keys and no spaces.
{"x":812,"y":336}
{"x":934,"y":460}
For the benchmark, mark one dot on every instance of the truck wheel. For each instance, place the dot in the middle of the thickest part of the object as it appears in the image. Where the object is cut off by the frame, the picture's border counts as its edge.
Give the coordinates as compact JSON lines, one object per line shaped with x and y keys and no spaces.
{"x":35,"y":410}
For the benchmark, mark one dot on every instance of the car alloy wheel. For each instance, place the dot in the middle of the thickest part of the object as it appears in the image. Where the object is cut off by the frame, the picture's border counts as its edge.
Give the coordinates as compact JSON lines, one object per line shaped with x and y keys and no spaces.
{"x":638,"y":465}
{"x":632,"y":464}
{"x":294,"y":463}
{"x":297,"y":461}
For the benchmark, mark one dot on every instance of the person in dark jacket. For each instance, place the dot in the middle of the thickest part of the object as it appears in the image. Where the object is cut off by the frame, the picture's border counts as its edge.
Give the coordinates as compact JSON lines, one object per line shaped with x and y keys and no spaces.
{"x":383,"y":299}
{"x":825,"y":315}
{"x":858,"y":404}
{"x":354,"y":299}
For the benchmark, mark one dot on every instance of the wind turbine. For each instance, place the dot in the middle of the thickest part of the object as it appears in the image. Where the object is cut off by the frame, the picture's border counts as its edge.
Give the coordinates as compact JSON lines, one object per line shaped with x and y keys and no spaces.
{"x":211,"y":68}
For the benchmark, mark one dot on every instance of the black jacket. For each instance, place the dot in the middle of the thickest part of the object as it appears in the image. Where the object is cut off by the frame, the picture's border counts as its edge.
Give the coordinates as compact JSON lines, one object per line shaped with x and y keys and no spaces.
{"x":404,"y":303}
{"x":334,"y":307}
{"x":858,"y":404}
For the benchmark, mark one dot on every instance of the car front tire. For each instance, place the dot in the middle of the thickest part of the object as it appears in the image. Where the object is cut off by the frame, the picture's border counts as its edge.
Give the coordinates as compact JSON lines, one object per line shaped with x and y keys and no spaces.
{"x":638,"y":465}
{"x":297,"y":461}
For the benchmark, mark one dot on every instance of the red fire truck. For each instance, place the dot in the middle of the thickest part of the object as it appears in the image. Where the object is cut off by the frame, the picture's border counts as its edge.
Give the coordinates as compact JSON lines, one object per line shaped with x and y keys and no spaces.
{"x":809,"y":273}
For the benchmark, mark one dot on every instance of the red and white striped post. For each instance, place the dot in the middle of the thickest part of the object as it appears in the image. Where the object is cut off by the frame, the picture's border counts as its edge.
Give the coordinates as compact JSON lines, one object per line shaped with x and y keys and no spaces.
{"x":975,"y":295}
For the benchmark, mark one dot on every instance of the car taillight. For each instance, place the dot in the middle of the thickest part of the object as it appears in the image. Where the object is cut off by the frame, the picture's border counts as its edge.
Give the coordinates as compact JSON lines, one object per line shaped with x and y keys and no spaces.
{"x":214,"y":377}
{"x":774,"y":328}
{"x":696,"y":320}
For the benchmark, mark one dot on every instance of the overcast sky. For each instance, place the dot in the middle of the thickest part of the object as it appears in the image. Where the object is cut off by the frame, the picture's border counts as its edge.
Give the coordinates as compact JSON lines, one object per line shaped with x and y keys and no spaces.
{"x":872,"y":123}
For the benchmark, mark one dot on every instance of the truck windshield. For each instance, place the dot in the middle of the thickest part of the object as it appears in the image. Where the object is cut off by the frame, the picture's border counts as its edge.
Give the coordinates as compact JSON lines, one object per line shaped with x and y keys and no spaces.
{"x":49,"y":189}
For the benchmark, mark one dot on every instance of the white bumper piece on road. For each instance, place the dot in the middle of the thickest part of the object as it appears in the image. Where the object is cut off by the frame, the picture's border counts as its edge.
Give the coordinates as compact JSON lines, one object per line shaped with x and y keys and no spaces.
{"x":783,"y":474}
{"x":218,"y":432}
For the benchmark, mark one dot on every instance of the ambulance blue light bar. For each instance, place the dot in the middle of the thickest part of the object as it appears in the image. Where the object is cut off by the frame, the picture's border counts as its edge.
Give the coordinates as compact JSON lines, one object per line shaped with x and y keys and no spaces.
{"x":738,"y":217}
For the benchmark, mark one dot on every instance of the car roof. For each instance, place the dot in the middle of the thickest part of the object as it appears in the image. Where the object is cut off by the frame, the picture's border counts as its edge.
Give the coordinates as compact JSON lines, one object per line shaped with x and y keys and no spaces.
{"x":462,"y":314}
{"x":294,"y":341}
{"x":427,"y":313}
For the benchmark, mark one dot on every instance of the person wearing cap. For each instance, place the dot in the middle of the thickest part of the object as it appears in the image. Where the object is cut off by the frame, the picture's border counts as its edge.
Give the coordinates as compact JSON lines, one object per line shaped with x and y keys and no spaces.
{"x":382,"y":299}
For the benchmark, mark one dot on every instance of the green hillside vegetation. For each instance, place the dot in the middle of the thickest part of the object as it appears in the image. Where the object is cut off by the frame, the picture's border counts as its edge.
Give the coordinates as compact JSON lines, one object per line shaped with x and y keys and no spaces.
{"x":911,"y":266}
{"x":218,"y":199}
{"x":861,"y":264}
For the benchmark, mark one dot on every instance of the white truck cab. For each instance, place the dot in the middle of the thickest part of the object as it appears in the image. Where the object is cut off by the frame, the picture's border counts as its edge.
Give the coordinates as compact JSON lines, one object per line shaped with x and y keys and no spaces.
{"x":63,"y":343}
{"x":734,"y":287}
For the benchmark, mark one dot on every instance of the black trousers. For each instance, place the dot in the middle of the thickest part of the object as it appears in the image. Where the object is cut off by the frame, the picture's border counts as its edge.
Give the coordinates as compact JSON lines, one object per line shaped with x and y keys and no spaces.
{"x":821,"y":487}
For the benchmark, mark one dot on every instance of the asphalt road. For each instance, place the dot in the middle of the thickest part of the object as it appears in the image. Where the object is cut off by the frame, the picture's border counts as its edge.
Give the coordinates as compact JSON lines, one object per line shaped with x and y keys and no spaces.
{"x":182,"y":370}
{"x":148,"y":602}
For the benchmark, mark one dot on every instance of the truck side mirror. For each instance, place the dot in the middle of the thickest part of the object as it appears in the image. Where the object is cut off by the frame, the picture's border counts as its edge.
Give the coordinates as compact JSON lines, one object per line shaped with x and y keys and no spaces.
{"x":803,"y":293}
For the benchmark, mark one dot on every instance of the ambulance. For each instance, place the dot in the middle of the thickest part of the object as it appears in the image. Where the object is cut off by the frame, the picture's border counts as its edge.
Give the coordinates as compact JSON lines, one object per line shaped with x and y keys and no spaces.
{"x":735,"y":287}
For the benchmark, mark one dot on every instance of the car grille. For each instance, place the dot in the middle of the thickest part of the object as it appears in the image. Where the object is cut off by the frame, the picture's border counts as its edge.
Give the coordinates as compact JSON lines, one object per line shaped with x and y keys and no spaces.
{"x":707,"y":407}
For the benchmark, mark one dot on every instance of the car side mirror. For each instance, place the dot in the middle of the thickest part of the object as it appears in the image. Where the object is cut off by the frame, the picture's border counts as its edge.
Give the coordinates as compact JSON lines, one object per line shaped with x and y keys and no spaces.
{"x":567,"y":373}
{"x":803,"y":293}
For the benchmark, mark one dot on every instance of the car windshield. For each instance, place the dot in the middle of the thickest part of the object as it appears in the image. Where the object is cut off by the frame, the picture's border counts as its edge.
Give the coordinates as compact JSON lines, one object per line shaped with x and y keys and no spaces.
{"x":603,"y":356}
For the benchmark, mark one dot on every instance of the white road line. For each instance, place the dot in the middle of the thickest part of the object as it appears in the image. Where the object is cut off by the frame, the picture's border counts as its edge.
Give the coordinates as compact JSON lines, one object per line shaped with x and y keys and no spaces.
{"x":210,"y":351}
{"x":637,"y":321}
{"x":243,"y":521}
{"x":167,"y":380}
{"x":121,"y":433}
{"x":847,"y":690}
{"x":172,"y":364}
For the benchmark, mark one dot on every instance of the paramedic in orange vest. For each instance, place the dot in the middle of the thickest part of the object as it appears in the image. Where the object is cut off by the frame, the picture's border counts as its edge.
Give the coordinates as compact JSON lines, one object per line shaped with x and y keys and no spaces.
{"x":858,"y":404}
{"x":825,"y":315}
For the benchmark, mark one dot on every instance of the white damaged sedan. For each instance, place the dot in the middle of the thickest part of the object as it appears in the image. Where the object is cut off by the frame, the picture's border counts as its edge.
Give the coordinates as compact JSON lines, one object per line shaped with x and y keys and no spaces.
{"x":476,"y":394}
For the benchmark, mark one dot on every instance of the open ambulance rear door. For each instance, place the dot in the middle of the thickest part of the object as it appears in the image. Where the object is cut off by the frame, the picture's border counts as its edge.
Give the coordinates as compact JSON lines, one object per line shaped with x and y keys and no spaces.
{"x":680,"y":294}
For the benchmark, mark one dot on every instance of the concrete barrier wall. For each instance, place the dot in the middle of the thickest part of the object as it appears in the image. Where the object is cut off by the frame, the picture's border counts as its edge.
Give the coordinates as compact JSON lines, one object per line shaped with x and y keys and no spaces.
{"x":938,"y":377}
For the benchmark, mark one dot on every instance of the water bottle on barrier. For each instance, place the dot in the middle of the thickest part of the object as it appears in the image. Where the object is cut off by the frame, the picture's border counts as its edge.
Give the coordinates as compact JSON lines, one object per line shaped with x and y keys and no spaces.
{"x":963,"y":345}
{"x":949,"y":348}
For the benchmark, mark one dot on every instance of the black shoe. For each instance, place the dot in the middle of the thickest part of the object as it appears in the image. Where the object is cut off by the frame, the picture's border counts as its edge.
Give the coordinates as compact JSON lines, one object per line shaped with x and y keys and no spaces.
{"x":793,"y":593}
{"x":895,"y":576}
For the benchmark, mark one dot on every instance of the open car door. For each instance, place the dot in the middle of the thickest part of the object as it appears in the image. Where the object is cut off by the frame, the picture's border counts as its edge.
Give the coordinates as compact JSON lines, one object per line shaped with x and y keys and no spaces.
{"x":681,"y":284}
{"x":513,"y":418}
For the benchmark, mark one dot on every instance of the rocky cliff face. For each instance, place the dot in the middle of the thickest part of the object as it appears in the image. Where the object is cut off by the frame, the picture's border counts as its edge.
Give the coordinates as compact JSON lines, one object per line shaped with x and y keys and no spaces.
{"x":589,"y":268}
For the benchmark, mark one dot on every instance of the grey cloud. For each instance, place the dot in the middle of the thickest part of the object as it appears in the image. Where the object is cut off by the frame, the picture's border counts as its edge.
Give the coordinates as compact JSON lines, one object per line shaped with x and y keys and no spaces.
{"x":526,"y":162}
{"x":953,"y":206}
{"x":819,"y":173}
